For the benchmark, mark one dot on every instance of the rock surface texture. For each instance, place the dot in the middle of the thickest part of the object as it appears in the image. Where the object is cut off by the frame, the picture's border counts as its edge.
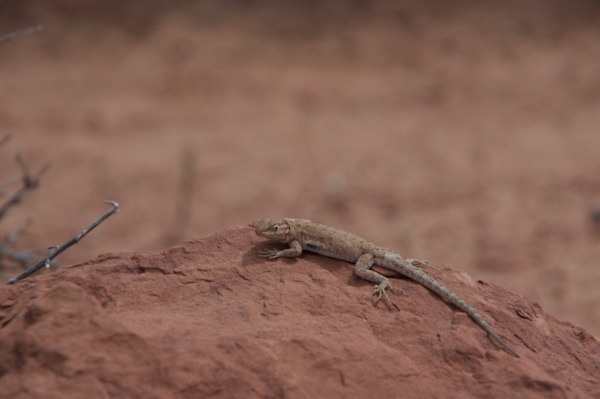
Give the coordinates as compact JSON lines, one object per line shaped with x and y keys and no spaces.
{"x":210,"y":319}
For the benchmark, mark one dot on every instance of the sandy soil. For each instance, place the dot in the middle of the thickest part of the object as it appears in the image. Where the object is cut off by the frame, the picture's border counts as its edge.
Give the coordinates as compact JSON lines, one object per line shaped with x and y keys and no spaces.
{"x":463,"y":134}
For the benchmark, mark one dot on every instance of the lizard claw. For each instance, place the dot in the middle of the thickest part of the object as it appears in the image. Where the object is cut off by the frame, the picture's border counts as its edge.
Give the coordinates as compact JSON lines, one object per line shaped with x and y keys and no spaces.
{"x":269,"y":253}
{"x":379,"y":290}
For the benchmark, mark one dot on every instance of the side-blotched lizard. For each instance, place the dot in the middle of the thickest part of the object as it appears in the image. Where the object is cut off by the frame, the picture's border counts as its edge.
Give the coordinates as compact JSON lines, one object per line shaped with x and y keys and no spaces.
{"x":301,"y":234}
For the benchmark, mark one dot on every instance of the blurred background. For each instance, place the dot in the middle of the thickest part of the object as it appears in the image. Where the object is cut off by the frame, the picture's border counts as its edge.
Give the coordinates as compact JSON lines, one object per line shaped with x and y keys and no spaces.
{"x":464,"y":133}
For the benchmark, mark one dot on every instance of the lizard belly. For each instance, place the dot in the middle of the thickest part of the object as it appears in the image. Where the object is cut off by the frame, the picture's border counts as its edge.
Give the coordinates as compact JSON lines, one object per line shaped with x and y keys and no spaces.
{"x":330,"y":252}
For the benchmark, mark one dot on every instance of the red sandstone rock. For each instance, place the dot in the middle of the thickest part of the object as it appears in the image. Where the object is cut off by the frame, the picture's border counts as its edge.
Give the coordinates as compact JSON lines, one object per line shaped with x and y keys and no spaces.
{"x":209,"y":319}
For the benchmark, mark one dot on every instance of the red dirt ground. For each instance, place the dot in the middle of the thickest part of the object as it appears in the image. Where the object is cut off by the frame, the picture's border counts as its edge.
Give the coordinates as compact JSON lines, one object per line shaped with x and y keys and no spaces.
{"x":465,"y":134}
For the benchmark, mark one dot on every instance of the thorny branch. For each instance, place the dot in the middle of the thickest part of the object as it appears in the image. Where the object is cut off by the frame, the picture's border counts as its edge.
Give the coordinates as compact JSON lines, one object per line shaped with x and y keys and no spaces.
{"x":30,"y":183}
{"x":19,"y":33}
{"x":59,"y":249}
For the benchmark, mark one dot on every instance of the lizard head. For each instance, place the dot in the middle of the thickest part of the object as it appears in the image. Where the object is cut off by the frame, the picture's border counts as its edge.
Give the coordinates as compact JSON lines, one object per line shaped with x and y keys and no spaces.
{"x":277,"y":230}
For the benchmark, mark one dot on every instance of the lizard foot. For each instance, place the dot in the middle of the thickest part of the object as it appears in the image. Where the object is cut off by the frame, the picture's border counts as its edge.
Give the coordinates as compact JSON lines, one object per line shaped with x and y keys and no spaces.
{"x":269,"y":253}
{"x":379,"y":290}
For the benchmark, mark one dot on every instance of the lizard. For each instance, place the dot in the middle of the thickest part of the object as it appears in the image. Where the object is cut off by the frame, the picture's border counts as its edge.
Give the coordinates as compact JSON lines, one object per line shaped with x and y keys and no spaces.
{"x":302,"y":234}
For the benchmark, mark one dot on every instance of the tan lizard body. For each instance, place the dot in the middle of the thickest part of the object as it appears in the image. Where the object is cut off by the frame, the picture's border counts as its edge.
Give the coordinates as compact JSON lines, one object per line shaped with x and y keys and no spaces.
{"x":301,"y":234}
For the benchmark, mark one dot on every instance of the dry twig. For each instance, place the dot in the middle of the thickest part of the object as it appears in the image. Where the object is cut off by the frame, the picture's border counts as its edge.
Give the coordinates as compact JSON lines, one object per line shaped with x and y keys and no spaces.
{"x":19,"y":33}
{"x":57,"y":250}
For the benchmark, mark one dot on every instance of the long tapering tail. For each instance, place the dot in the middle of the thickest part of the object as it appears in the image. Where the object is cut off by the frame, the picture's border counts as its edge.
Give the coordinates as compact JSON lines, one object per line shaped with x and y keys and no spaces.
{"x":405,"y":267}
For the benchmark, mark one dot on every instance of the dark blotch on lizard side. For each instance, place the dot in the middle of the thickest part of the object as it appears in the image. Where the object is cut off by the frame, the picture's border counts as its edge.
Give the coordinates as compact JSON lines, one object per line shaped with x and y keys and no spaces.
{"x":311,"y":247}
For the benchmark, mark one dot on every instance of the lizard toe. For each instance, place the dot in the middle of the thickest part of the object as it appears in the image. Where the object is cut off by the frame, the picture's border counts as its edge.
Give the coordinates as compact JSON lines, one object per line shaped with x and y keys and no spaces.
{"x":268,"y":253}
{"x":379,"y":290}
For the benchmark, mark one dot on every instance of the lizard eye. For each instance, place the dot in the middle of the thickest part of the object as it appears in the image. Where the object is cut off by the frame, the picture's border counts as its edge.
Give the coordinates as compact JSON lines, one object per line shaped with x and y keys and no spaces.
{"x":275,"y":228}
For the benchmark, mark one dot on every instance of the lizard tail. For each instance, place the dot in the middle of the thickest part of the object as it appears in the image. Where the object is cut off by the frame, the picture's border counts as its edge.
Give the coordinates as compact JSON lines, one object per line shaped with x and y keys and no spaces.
{"x":405,"y":267}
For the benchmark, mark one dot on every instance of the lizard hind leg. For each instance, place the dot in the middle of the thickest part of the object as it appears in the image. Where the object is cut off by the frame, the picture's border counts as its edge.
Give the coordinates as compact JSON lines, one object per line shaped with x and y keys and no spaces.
{"x":362,"y":269}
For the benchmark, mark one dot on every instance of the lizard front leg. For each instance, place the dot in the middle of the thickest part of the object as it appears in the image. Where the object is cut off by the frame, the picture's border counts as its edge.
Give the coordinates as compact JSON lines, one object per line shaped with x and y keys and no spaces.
{"x":293,"y":251}
{"x":362,"y":269}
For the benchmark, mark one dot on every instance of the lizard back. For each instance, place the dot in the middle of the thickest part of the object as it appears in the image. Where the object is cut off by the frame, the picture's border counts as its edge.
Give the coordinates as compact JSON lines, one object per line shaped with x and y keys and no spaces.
{"x":329,"y":241}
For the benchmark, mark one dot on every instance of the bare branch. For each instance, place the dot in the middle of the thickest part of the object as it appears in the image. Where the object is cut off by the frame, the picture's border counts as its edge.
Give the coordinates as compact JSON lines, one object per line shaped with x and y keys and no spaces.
{"x":19,"y":33}
{"x":30,"y":183}
{"x":59,"y":249}
{"x":22,"y":257}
